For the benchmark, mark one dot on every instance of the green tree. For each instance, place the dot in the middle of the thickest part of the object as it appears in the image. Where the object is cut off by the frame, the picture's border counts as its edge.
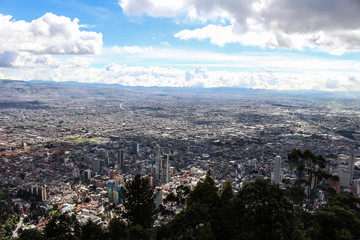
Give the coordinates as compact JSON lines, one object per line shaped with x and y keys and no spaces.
{"x":139,"y":202}
{"x":31,"y":234}
{"x":117,"y":229}
{"x":226,"y":213}
{"x":92,"y":231}
{"x":206,"y":233}
{"x":4,"y":195}
{"x":227,"y":194}
{"x":205,"y":193}
{"x":334,"y":223}
{"x":62,"y":227}
{"x":346,"y":201}
{"x":202,"y":208}
{"x":263,"y":212}
{"x":338,"y":219}
{"x":310,"y":173}
{"x":182,"y":192}
{"x":137,"y":232}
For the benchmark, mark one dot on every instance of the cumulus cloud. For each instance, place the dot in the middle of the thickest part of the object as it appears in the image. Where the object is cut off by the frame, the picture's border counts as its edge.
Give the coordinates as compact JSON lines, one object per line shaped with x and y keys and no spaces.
{"x":217,"y":34}
{"x":7,"y":59}
{"x":24,"y":59}
{"x":354,"y":79}
{"x":155,"y":8}
{"x":132,"y":49}
{"x":80,"y":62}
{"x":329,"y":25}
{"x":76,"y":69}
{"x":49,"y":34}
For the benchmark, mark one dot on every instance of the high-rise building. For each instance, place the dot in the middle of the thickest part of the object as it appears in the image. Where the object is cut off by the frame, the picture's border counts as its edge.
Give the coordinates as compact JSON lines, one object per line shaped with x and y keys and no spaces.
{"x":112,"y":173}
{"x":120,"y":190}
{"x":351,"y":168}
{"x":158,"y":200}
{"x":115,"y":192}
{"x":166,"y":170}
{"x":158,"y":160}
{"x":277,"y":169}
{"x":171,"y":171}
{"x":135,"y":148}
{"x":111,"y":190}
{"x":76,"y":172}
{"x":43,"y":194}
{"x":151,"y":181}
{"x":121,"y":159}
{"x":344,"y":175}
{"x":119,"y":180}
{"x":162,"y":171}
{"x":96,"y":165}
{"x":88,"y":174}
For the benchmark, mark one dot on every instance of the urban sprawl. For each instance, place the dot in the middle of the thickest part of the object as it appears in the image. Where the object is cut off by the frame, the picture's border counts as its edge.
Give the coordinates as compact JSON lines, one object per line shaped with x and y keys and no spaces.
{"x":75,"y":154}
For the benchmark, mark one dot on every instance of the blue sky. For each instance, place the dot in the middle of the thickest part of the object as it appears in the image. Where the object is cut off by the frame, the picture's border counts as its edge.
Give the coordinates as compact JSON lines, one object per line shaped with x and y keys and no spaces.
{"x":270,"y":44}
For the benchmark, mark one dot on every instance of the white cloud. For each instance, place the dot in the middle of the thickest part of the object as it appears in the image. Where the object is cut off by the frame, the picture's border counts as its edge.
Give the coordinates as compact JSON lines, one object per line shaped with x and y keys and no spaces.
{"x":217,"y":34}
{"x":77,"y":69}
{"x":155,"y":8}
{"x":165,"y":43}
{"x":132,"y":49}
{"x":80,"y":62}
{"x":329,"y":25}
{"x":7,"y":59}
{"x":221,"y":35}
{"x":238,"y":61}
{"x":24,"y":59}
{"x":49,"y":34}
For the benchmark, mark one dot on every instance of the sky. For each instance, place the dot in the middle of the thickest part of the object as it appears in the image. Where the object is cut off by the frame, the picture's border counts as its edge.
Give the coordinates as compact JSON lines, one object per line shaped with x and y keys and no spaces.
{"x":259,"y":44}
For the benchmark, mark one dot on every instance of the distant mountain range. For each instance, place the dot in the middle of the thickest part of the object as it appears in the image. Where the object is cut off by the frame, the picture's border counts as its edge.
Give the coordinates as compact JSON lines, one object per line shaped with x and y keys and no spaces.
{"x":33,"y":90}
{"x":14,"y":89}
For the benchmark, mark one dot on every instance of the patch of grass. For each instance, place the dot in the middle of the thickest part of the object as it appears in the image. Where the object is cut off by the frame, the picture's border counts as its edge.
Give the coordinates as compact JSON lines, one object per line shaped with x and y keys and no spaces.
{"x":80,"y":139}
{"x":52,"y":212}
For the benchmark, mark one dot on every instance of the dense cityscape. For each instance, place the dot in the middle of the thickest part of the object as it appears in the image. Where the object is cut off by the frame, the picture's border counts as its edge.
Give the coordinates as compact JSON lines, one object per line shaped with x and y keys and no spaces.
{"x":74,"y":154}
{"x":179,"y":120}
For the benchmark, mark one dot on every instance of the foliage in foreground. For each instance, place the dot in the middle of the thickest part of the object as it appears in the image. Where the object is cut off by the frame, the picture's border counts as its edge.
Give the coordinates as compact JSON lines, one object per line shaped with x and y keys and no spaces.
{"x":260,"y":210}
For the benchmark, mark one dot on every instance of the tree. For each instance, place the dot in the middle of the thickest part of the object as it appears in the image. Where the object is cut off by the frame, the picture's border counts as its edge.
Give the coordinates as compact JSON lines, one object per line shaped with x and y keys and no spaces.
{"x":182,"y":192}
{"x":346,"y":201}
{"x":180,"y":197}
{"x":62,"y":227}
{"x":338,"y":219}
{"x":31,"y":234}
{"x":117,"y":229}
{"x":227,"y":194}
{"x":335,"y":223}
{"x":205,"y":192}
{"x":139,"y":202}
{"x":206,"y":233}
{"x":202,"y":208}
{"x":263,"y":211}
{"x":226,"y":213}
{"x":137,"y":232}
{"x":92,"y":231}
{"x":310,"y":173}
